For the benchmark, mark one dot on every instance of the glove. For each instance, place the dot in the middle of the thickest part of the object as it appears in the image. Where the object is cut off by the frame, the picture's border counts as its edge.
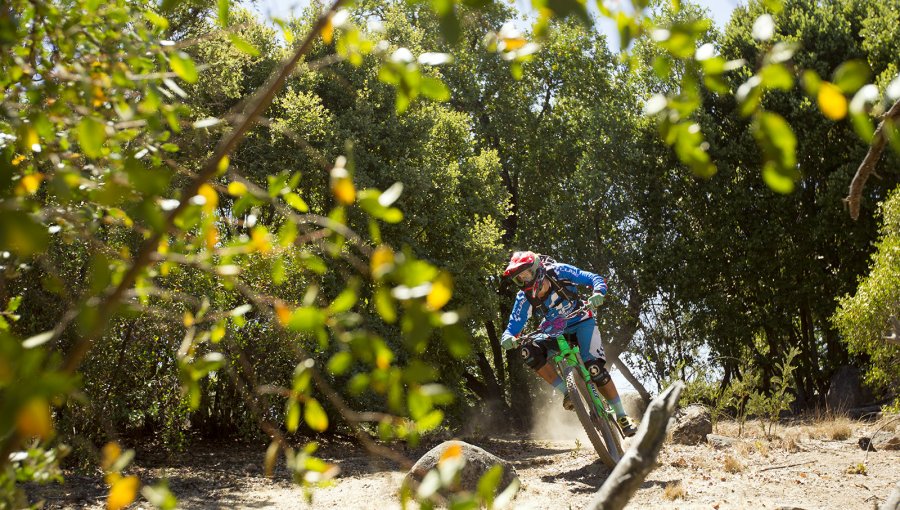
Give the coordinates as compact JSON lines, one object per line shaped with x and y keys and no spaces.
{"x":596,"y":300}
{"x":507,"y":342}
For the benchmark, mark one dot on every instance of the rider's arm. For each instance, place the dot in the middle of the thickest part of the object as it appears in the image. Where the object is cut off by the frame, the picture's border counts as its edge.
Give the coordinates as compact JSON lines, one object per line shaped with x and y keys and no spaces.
{"x":582,"y":277}
{"x":520,"y":313}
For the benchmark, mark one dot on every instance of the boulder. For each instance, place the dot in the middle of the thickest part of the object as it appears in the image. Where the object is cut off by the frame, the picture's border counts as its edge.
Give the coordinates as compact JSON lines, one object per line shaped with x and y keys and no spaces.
{"x":478,"y":462}
{"x":845,"y":391}
{"x":634,"y":405}
{"x":691,"y":425}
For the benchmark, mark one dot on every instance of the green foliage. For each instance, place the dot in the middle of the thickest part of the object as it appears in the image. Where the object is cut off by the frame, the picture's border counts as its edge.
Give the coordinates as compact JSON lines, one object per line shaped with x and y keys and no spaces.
{"x":863,"y":318}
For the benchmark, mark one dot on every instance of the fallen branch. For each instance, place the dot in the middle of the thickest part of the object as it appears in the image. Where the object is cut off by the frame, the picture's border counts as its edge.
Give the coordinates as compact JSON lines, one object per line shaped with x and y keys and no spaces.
{"x":879,"y":140}
{"x":786,"y":466}
{"x":640,"y":458}
{"x":893,"y":502}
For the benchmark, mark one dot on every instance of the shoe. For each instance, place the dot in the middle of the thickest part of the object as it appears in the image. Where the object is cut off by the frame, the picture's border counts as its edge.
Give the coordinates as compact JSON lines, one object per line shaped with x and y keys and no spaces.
{"x":627,"y":426}
{"x":567,"y":403}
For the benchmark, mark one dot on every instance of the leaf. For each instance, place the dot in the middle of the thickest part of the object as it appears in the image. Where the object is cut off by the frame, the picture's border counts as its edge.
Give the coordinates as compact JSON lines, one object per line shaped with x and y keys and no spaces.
{"x":488,"y":483}
{"x":91,"y":134}
{"x":776,"y":76}
{"x":237,"y":189}
{"x":21,"y":234}
{"x":123,"y":492}
{"x":852,"y":75}
{"x":292,"y":416}
{"x":832,"y":101}
{"x":435,"y":89}
{"x":344,"y":301}
{"x":340,"y":362}
{"x":306,"y":318}
{"x":296,"y":202}
{"x":451,"y":452}
{"x":37,"y":340}
{"x":441,"y":292}
{"x":33,"y":419}
{"x":430,"y":421}
{"x":764,"y":27}
{"x":315,"y":416}
{"x":775,"y":180}
{"x":183,"y":66}
{"x":160,"y":496}
{"x":243,"y":45}
{"x":328,"y":31}
{"x":343,"y":190}
{"x":224,"y":14}
{"x":154,"y":18}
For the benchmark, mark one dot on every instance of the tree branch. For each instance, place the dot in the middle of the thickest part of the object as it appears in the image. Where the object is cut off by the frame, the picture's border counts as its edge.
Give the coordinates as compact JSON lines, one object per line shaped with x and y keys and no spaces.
{"x":868,"y":164}
{"x":110,"y":302}
{"x":640,"y":459}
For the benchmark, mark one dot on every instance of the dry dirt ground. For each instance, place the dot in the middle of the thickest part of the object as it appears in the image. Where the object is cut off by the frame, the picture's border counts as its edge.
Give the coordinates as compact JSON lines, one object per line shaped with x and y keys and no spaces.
{"x":805,"y":467}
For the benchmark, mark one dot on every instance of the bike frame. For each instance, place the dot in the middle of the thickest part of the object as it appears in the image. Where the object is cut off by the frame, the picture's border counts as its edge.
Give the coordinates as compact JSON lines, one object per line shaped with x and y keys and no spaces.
{"x":571,"y":356}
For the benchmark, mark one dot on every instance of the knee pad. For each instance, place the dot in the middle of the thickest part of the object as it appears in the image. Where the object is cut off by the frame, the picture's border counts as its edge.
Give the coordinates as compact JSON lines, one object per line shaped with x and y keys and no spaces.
{"x":598,"y":372}
{"x":534,"y":355}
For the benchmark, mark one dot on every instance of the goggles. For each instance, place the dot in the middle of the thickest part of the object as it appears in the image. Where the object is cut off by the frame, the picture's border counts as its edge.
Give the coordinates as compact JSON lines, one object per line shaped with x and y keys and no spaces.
{"x":523,"y":278}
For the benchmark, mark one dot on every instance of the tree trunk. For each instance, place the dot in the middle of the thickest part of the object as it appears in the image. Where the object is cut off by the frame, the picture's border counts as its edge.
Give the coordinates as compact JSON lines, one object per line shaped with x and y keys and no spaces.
{"x":496,"y":351}
{"x":629,"y":376}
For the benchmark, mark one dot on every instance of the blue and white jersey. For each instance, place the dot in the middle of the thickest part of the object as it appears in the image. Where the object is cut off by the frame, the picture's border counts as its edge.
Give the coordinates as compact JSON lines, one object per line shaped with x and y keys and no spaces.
{"x":557,"y":305}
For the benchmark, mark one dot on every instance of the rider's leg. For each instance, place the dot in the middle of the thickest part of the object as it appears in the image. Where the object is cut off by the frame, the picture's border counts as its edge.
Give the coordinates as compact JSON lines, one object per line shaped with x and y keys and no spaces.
{"x":553,"y":379}
{"x":591,"y":347}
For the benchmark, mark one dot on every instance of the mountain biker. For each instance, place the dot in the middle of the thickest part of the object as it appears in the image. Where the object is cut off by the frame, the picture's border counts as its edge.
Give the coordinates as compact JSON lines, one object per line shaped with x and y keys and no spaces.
{"x":549,"y":290}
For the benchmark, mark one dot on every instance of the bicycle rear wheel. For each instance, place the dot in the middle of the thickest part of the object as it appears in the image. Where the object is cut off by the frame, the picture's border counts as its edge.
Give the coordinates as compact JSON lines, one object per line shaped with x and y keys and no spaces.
{"x":581,"y":400}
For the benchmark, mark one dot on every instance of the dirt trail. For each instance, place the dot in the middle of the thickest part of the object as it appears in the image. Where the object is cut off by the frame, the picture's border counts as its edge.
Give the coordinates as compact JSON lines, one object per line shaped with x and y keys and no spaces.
{"x":804,"y":469}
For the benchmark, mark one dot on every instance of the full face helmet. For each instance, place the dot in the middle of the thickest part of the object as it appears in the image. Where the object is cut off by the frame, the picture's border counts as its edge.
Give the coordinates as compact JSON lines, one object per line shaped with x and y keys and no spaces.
{"x":526,"y":271}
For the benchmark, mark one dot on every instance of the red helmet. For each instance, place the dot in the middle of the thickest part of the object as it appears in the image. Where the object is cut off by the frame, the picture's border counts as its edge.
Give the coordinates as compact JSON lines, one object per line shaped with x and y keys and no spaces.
{"x":525,"y":269}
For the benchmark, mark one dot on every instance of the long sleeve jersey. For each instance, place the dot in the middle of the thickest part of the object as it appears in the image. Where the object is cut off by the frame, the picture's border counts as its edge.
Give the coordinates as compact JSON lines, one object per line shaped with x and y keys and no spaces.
{"x":557,"y":305}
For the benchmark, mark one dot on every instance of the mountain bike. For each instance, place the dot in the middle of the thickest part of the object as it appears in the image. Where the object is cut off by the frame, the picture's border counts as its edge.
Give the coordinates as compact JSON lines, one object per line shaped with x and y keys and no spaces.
{"x":594,"y":413}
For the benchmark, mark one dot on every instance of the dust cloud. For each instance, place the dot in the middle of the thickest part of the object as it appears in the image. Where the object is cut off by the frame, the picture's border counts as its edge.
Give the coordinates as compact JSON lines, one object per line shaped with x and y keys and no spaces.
{"x":552,"y":422}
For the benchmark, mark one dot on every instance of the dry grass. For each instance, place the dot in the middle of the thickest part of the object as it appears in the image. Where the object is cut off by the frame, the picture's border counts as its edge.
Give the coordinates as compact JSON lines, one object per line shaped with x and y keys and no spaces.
{"x":674,"y":490}
{"x":743,"y":448}
{"x":836,"y":429}
{"x":732,"y":465}
{"x":791,"y":442}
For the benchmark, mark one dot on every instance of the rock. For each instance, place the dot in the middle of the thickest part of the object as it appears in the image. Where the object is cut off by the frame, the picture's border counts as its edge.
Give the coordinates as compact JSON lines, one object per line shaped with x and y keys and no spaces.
{"x":865,"y":443}
{"x":634,"y":405}
{"x":717,"y":441}
{"x":478,"y":462}
{"x":892,"y":443}
{"x":690,"y":425}
{"x":845,"y":391}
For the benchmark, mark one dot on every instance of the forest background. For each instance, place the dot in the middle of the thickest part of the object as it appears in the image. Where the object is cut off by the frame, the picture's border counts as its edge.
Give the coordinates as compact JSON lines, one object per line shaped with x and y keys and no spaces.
{"x":176,"y":268}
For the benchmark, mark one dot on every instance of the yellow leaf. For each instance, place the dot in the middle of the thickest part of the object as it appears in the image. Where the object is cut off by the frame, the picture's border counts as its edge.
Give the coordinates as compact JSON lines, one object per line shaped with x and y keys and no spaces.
{"x":260,"y":241}
{"x":832,"y":101}
{"x":123,"y":492}
{"x":283,"y":313}
{"x":513,"y":43}
{"x":441,"y":291}
{"x":111,"y":452}
{"x":30,"y":183}
{"x":163,"y":247}
{"x":382,"y":260}
{"x":343,"y":190}
{"x":383,"y":359}
{"x":211,"y":197}
{"x":223,"y":164}
{"x":328,"y":31}
{"x":237,"y":189}
{"x":211,"y":236}
{"x":18,"y":159}
{"x":34,"y":419}
{"x":188,"y":319}
{"x":453,"y":451}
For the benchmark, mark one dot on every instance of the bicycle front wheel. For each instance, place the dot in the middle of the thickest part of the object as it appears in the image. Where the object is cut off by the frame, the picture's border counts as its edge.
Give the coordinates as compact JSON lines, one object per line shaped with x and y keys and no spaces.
{"x":583,"y":403}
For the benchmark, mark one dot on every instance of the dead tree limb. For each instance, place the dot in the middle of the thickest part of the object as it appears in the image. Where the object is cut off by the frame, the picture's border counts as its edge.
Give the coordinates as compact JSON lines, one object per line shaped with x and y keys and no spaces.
{"x":879,"y":140}
{"x":640,"y":458}
{"x":893,"y":502}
